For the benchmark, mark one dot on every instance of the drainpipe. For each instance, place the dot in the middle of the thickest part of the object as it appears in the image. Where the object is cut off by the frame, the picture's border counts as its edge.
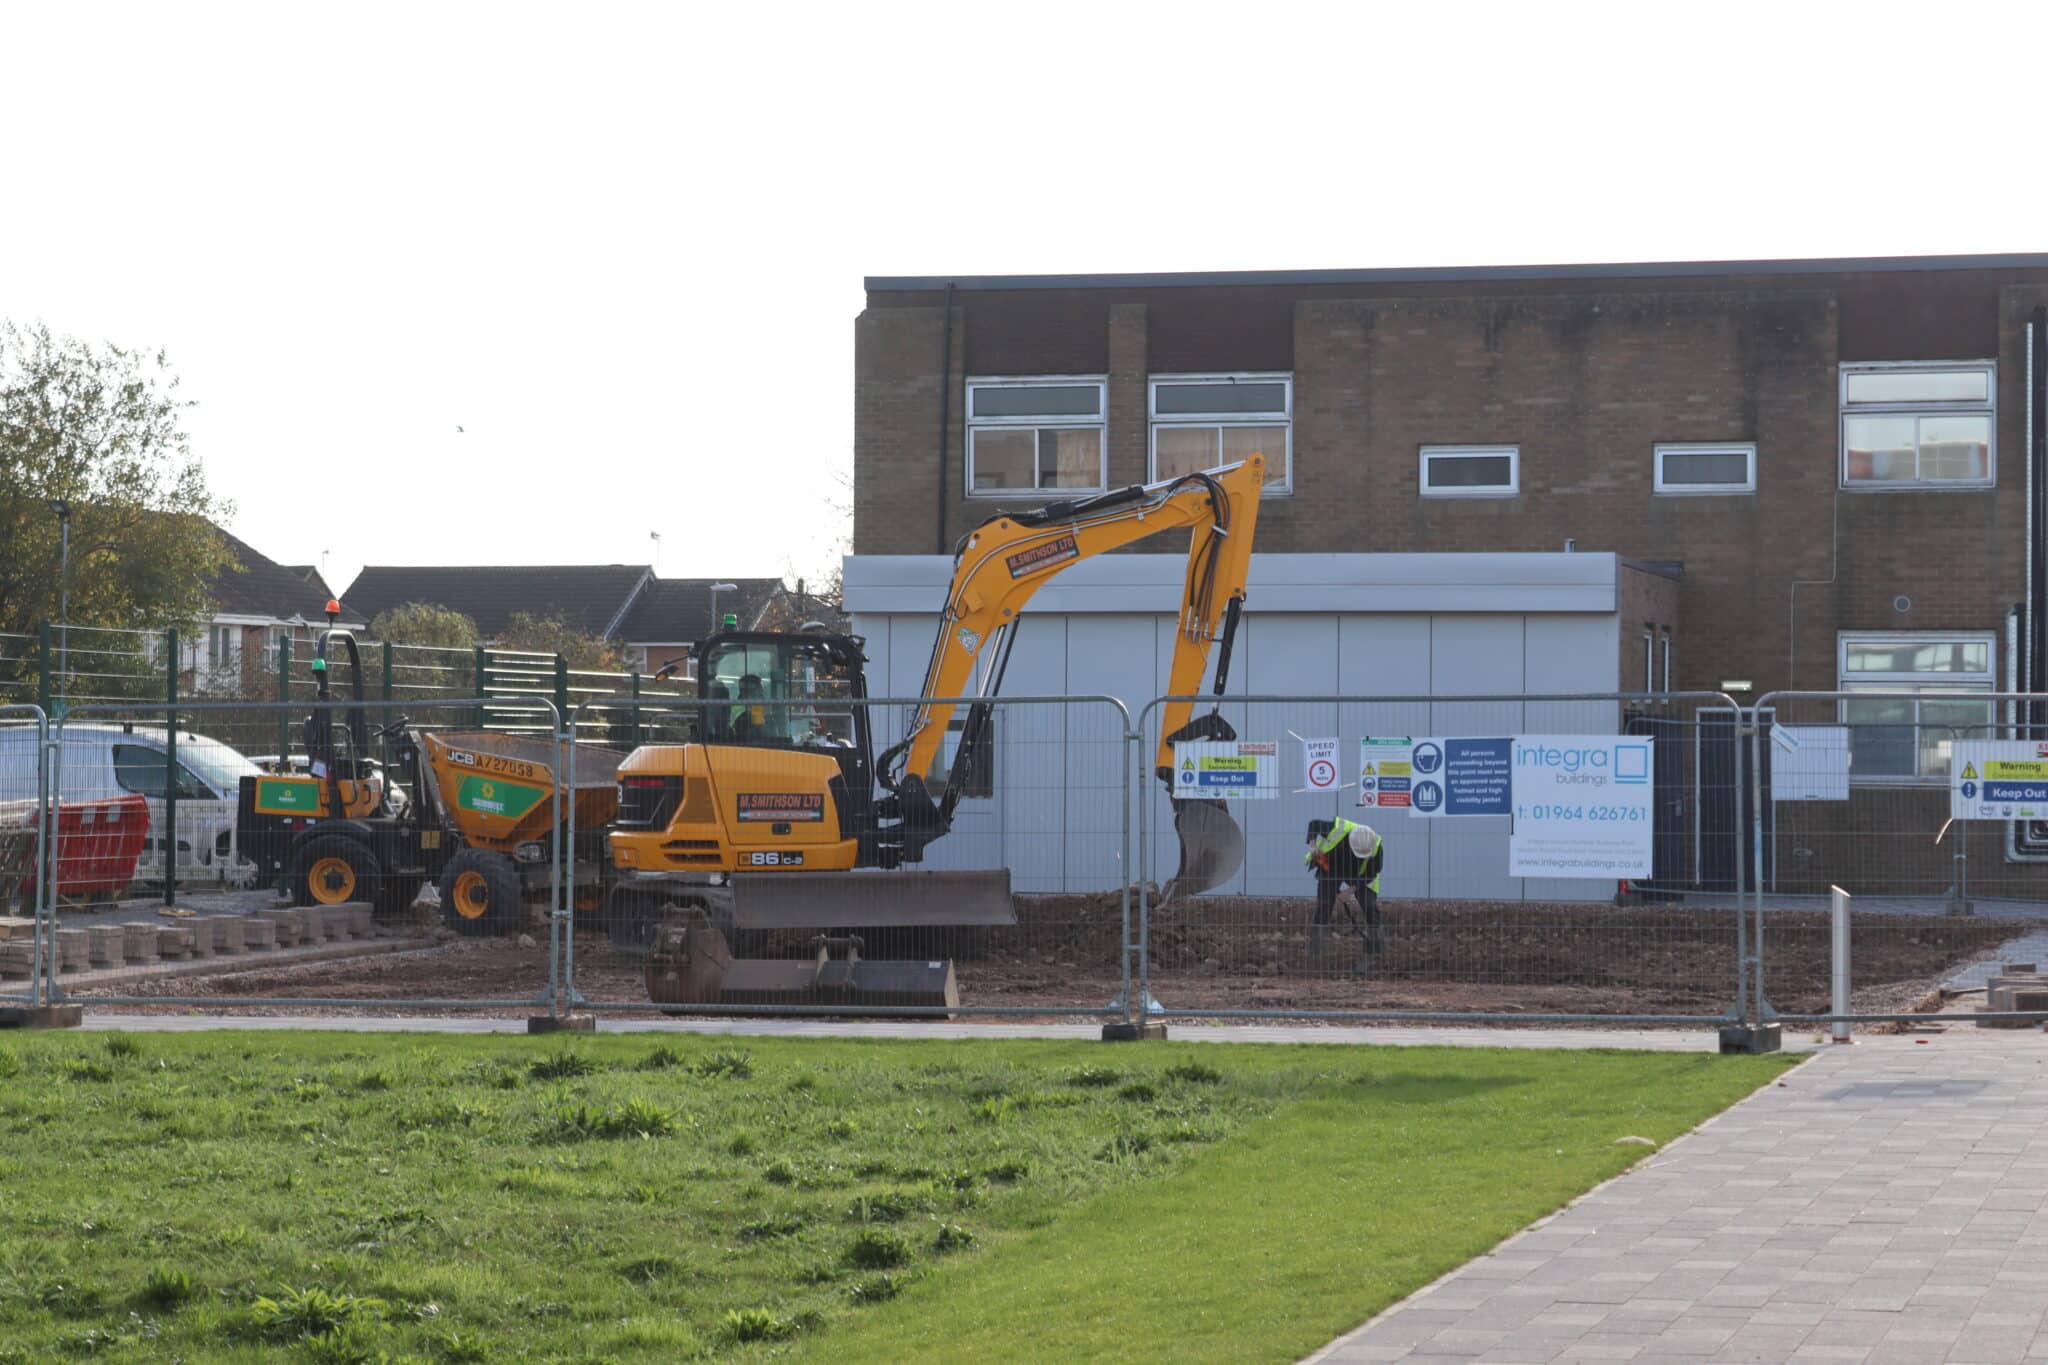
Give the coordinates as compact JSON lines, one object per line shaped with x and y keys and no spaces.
{"x":2037,"y":551}
{"x":945,"y":412}
{"x":2024,"y":668}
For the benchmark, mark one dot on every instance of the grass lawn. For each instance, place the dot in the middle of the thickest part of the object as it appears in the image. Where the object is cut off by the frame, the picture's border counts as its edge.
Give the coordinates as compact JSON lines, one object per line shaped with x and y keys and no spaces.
{"x":338,"y":1198}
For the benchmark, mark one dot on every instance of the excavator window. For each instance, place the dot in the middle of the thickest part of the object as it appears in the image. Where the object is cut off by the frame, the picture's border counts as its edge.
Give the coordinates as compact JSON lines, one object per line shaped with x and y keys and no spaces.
{"x":742,"y":676}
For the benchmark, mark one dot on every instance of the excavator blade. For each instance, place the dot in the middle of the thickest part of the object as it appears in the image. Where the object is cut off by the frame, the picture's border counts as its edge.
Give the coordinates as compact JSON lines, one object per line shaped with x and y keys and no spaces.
{"x":839,"y":902}
{"x":1211,"y":847}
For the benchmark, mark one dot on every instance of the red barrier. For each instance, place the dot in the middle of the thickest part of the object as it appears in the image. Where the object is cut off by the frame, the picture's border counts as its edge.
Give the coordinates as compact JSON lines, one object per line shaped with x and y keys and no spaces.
{"x":98,"y":843}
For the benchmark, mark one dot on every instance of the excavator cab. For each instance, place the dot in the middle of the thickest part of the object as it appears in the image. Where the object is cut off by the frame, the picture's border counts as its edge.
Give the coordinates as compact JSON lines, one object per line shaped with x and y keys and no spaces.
{"x":801,"y":692}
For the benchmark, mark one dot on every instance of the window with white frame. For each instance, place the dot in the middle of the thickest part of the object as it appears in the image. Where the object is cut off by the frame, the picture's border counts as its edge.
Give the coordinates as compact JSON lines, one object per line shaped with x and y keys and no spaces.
{"x":1901,"y":738}
{"x":1706,"y":467}
{"x":1919,"y":425}
{"x":224,"y":646}
{"x":1204,"y":421}
{"x":1036,"y":433}
{"x":1471,"y":471}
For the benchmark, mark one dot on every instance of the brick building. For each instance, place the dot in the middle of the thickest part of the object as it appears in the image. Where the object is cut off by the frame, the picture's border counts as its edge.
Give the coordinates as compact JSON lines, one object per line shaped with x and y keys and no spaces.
{"x":1834,"y":458}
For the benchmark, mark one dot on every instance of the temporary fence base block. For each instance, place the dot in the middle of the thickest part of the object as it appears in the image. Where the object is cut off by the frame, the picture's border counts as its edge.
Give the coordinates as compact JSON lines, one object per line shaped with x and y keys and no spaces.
{"x":1748,"y":1038}
{"x":1148,"y":1030}
{"x":561,"y":1023}
{"x":42,"y":1016}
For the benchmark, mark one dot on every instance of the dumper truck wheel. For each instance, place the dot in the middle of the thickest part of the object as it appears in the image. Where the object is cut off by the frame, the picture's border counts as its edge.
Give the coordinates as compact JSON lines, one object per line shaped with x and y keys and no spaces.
{"x":480,"y":893}
{"x":334,"y":868}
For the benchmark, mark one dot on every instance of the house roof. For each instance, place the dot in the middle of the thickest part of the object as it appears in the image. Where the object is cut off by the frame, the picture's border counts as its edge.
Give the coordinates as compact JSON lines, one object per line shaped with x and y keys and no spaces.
{"x":1485,"y":274}
{"x":263,"y":587}
{"x":588,"y":597}
{"x":674,"y":610}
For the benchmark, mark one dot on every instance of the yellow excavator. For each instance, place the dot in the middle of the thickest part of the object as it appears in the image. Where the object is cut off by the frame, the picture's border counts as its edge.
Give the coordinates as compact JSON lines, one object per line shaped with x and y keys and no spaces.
{"x":776,"y":817}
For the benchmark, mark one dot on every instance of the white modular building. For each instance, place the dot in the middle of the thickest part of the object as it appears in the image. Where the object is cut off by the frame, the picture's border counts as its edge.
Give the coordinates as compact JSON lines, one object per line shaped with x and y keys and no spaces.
{"x":1459,"y":637}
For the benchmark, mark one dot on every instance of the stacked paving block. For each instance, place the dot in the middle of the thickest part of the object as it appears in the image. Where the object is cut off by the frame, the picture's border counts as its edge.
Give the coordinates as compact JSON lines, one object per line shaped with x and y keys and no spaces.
{"x":291,"y":925}
{"x":173,"y":942}
{"x":17,"y":946}
{"x":2017,"y":987}
{"x":103,"y":944}
{"x":138,"y":941}
{"x":72,"y":950}
{"x":225,"y":931}
{"x":333,"y":921}
{"x":361,"y":917}
{"x":258,"y":934}
{"x":202,"y":937}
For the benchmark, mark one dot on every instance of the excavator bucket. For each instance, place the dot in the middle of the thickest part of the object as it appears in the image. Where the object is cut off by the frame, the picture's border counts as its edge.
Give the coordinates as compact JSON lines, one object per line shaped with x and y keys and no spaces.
{"x":1211,"y":847}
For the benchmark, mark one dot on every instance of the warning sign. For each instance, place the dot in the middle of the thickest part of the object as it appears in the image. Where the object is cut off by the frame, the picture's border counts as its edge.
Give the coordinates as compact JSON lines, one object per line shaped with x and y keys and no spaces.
{"x":1384,"y":765}
{"x":1229,"y":770}
{"x":1998,"y":780}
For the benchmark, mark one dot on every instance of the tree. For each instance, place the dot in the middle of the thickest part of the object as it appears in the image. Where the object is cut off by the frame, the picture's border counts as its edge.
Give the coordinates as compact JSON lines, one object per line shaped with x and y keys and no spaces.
{"x":424,"y":623}
{"x":100,"y":427}
{"x":552,"y":635}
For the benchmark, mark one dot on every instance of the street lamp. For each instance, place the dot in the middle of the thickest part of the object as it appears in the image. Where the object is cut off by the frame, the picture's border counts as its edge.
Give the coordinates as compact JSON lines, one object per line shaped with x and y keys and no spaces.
{"x":62,"y":507}
{"x":717,"y":588}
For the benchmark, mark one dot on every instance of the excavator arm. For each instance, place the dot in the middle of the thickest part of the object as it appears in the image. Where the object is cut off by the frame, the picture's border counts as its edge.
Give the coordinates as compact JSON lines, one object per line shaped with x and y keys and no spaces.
{"x":1006,"y":559}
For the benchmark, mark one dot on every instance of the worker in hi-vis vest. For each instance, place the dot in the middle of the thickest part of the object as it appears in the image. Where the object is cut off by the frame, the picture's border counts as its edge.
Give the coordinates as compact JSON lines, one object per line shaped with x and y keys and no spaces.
{"x":1345,"y":858}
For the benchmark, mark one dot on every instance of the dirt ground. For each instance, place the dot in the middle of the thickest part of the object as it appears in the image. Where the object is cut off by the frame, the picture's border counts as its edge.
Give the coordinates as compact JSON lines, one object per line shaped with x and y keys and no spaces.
{"x":1245,"y":953}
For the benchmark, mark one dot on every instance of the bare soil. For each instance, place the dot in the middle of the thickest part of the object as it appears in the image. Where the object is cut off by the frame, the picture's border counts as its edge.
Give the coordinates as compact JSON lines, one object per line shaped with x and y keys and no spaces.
{"x":1257,"y":953}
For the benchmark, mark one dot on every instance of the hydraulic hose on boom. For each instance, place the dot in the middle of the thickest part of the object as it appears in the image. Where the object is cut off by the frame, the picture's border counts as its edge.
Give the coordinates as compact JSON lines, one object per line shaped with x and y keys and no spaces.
{"x":1002,"y":562}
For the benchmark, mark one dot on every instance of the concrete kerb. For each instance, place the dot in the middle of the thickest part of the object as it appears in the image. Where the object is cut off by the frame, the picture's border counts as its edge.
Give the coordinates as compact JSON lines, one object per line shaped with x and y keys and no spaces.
{"x":1420,"y":1297}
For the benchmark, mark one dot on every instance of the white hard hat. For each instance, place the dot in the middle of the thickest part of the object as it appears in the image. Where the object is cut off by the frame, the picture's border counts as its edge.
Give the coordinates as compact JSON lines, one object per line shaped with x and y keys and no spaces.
{"x":1364,"y":840}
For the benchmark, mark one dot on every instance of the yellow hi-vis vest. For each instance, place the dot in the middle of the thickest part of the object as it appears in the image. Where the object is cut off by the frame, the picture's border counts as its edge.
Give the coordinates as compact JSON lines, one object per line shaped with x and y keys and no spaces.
{"x":1340,"y":832}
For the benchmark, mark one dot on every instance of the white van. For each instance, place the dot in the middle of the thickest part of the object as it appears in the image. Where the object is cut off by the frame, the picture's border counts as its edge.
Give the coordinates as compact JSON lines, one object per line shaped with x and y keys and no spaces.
{"x":101,"y":760}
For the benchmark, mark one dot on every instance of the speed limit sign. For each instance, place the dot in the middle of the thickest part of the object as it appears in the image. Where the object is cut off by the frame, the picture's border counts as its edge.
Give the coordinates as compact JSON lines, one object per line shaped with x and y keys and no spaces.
{"x":1321,"y":760}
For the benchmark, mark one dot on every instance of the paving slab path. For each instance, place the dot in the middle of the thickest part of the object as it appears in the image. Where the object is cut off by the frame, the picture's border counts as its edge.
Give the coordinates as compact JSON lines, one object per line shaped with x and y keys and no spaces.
{"x":1886,"y":1203}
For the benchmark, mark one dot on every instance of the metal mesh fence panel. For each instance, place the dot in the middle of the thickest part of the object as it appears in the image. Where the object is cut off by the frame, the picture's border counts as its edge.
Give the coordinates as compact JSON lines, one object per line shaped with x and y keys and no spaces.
{"x":757,"y":864}
{"x":20,"y":669}
{"x":23,"y":833}
{"x":1858,"y":791}
{"x":389,"y":854}
{"x":1591,"y":892}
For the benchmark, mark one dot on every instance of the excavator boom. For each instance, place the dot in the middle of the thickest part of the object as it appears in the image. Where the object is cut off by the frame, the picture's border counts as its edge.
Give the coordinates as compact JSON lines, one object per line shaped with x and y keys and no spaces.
{"x":1002,"y":562}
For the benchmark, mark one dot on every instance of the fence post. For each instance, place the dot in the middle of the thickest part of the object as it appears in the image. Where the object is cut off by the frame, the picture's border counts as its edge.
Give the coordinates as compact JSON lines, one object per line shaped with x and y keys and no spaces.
{"x":483,"y":680}
{"x":168,"y":842}
{"x":561,"y":689}
{"x":633,"y":722}
{"x":1839,"y":1001}
{"x":284,"y":697}
{"x":43,"y":668}
{"x":1134,"y":1008}
{"x":1756,"y":860}
{"x":47,"y":777}
{"x":1741,"y":871}
{"x":562,"y":903}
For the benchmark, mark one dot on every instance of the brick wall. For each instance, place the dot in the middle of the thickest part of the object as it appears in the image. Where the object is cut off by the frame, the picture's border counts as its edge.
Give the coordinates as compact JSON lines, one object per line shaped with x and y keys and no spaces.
{"x":1585,"y":381}
{"x":1645,"y":601}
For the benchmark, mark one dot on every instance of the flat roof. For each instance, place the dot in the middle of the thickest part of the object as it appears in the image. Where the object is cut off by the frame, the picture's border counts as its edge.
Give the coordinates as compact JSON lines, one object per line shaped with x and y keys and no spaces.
{"x":1540,"y":581}
{"x":1624,"y":270}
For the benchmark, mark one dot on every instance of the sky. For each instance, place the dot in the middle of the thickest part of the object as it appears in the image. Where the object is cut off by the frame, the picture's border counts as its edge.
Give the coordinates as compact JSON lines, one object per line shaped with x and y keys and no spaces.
{"x":514,"y":284}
